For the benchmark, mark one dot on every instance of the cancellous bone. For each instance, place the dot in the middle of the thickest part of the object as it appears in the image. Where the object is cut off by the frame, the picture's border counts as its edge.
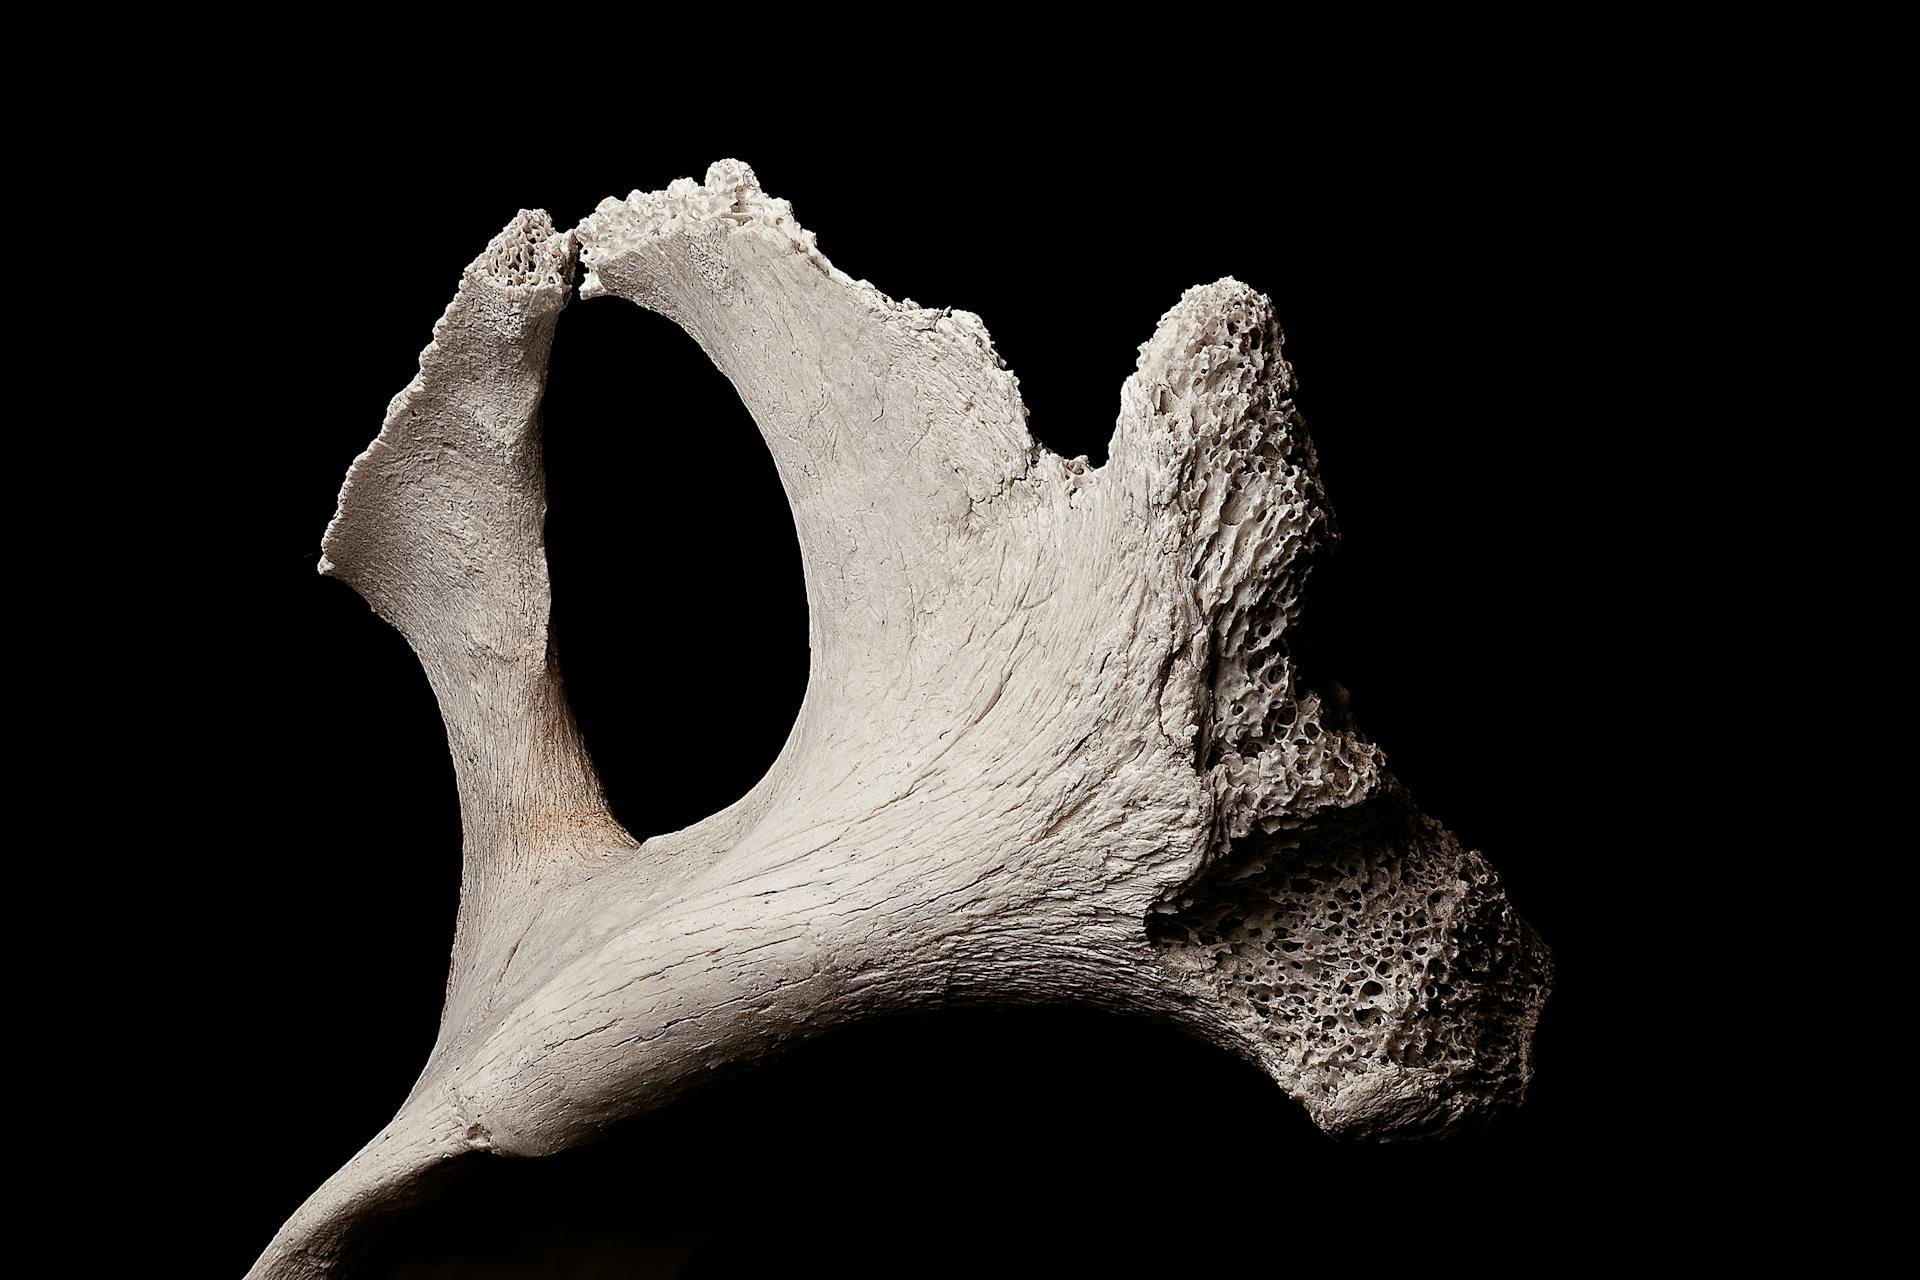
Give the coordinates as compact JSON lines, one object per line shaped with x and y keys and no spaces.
{"x":1053,"y":748}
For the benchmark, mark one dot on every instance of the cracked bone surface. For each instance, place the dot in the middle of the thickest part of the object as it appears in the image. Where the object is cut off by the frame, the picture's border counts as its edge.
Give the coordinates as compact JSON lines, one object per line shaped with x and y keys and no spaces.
{"x":1053,"y":747}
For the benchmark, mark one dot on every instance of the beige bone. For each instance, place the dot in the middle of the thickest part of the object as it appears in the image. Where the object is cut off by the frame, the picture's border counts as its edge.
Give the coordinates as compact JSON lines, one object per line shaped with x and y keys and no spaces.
{"x":1053,"y":748}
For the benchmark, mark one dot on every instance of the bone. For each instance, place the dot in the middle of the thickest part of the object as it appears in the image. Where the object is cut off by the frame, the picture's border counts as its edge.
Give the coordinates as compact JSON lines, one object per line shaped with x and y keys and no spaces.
{"x":1054,"y":748}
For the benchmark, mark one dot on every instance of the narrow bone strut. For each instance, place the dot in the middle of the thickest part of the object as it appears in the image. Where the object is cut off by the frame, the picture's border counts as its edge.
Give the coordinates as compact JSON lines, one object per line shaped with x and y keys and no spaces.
{"x":1053,"y":747}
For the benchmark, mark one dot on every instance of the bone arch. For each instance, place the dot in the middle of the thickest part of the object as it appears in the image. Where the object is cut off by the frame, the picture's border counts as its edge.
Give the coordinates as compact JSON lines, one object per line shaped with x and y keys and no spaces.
{"x":1053,"y":747}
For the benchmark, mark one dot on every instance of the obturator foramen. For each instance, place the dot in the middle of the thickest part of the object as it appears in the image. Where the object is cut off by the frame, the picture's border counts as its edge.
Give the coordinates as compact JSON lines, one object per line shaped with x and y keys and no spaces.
{"x":1053,"y":749}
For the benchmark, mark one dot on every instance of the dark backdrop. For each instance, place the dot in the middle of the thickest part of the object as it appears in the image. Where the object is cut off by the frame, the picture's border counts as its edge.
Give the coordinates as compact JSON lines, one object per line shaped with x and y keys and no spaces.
{"x":1463,"y":293}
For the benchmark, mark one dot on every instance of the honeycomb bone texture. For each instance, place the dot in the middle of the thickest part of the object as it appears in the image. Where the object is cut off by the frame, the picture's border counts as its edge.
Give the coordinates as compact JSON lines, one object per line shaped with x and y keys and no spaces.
{"x":1255,"y":517}
{"x":528,"y":253}
{"x":1383,"y":974}
{"x":1055,"y":746}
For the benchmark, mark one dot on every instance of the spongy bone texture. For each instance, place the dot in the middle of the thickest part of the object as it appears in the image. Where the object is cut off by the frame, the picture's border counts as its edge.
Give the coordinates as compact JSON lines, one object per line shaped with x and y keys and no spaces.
{"x":1055,"y":748}
{"x":1382,"y":970}
{"x":1254,"y":515}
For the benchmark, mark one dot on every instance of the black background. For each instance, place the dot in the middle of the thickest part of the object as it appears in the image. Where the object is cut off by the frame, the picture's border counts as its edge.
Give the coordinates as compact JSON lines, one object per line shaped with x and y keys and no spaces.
{"x":1465,"y":288}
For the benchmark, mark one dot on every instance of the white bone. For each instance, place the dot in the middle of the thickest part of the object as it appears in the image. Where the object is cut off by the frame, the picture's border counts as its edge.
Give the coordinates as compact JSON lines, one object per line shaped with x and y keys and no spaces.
{"x":1053,"y":748}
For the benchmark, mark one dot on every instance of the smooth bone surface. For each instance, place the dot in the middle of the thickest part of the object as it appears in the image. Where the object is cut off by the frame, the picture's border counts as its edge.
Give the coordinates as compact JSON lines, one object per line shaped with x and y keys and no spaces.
{"x":1053,"y":748}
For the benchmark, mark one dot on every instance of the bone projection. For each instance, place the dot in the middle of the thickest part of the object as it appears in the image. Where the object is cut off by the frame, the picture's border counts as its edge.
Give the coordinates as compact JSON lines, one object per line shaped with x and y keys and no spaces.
{"x":1053,"y":747}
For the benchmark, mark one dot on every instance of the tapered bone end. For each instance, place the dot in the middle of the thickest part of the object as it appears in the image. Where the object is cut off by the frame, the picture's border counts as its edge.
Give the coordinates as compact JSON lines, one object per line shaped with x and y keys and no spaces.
{"x":490,"y":346}
{"x":383,"y":1178}
{"x":1210,"y":370}
{"x":440,"y":530}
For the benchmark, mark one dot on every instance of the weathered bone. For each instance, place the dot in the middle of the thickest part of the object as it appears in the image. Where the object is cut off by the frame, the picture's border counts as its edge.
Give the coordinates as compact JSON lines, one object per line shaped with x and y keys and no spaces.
{"x":1053,"y":748}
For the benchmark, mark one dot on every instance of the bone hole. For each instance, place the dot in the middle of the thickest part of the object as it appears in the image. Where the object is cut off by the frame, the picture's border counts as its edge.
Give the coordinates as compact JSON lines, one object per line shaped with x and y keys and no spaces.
{"x":645,"y":604}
